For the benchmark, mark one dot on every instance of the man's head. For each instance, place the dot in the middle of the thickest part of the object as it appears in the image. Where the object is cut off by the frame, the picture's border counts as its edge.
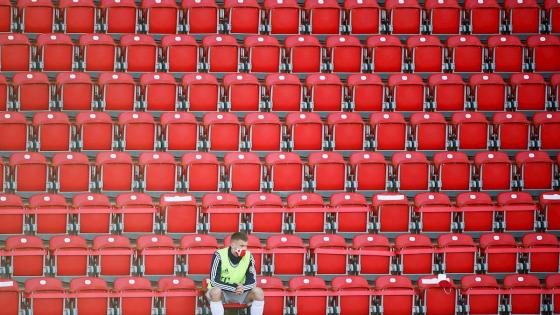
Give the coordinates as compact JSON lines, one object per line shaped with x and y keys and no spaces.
{"x":238,"y":244}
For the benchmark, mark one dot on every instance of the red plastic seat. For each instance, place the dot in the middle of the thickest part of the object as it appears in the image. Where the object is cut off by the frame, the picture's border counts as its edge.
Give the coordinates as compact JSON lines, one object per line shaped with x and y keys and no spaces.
{"x":494,"y":170}
{"x":448,"y":92}
{"x":405,"y":17}
{"x":201,"y":17}
{"x":284,"y":91}
{"x":45,"y":295}
{"x":114,"y":255}
{"x":542,"y":250}
{"x":12,"y":213}
{"x":311,"y":294}
{"x":201,"y":92}
{"x":345,"y":53}
{"x":138,"y":130}
{"x":134,"y":295}
{"x":471,"y":130}
{"x":500,"y":252}
{"x":15,"y":54}
{"x":485,"y":17}
{"x":265,"y":213}
{"x":162,"y":16}
{"x":120,"y":16}
{"x":180,"y":131}
{"x":36,"y":16}
{"x":364,"y":16}
{"x":369,"y":171}
{"x":78,"y":17}
{"x":507,"y":53}
{"x":97,"y":52}
{"x":137,"y":211}
{"x":523,"y":17}
{"x":117,"y":91}
{"x":352,"y":211}
{"x":160,"y":92}
{"x":275,"y":294}
{"x":180,"y":53}
{"x":303,"y":53}
{"x":287,"y":253}
{"x":179,"y":212}
{"x":70,"y":255}
{"x":389,"y":131}
{"x":285,"y":171}
{"x":347,"y":130}
{"x":439,"y":297}
{"x":519,"y":211}
{"x":75,"y":91}
{"x":392,"y":212}
{"x":222,"y":211}
{"x":55,"y":52}
{"x":407,"y":91}
{"x":328,"y":170}
{"x":366,"y":92}
{"x":72,"y":172}
{"x":242,"y":92}
{"x":482,"y":294}
{"x":373,"y":253}
{"x":243,"y":17}
{"x":426,"y":52}
{"x":33,"y":91}
{"x":550,"y":205}
{"x":453,"y":170}
{"x":264,"y":131}
{"x":529,"y":296}
{"x":305,"y":131}
{"x":223,"y":131}
{"x":157,"y":255}
{"x":445,"y":17}
{"x":13,"y":127}
{"x":462,"y":49}
{"x":429,"y":131}
{"x":543,"y":48}
{"x":434,"y":212}
{"x":488,"y":92}
{"x":94,"y":213}
{"x":546,"y":125}
{"x":222,"y":53}
{"x":6,"y":16}
{"x":512,"y":131}
{"x":30,"y":171}
{"x":199,"y":249}
{"x":263,"y":53}
{"x":158,"y":171}
{"x":9,"y":296}
{"x":53,"y":131}
{"x":477,"y":211}
{"x":308,"y":211}
{"x":411,"y":170}
{"x":325,"y":17}
{"x":396,"y":294}
{"x":244,"y":171}
{"x":92,"y":294}
{"x":551,"y":12}
{"x":116,"y":171}
{"x":416,"y":253}
{"x":387,"y":53}
{"x":329,"y":254}
{"x":139,"y":53}
{"x":535,"y":169}
{"x":50,"y":214}
{"x":26,"y":256}
{"x":326,"y":92}
{"x":283,"y":16}
{"x":458,"y":253}
{"x":202,"y":171}
{"x":530,"y":91}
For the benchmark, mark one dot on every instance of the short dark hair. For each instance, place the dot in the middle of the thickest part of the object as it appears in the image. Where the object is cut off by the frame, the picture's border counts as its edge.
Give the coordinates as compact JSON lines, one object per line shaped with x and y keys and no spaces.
{"x":239,"y":236}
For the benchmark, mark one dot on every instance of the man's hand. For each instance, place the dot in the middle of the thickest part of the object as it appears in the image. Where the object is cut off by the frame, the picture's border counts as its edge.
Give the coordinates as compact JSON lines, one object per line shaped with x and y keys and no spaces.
{"x":239,"y":289}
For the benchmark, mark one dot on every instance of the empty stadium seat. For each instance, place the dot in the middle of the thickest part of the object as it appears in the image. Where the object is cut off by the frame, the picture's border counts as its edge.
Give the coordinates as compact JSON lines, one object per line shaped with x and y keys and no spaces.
{"x":484,"y":17}
{"x":471,"y":130}
{"x":199,"y":249}
{"x":244,"y":171}
{"x":138,"y":131}
{"x":542,"y":252}
{"x":116,"y":171}
{"x":328,"y":171}
{"x":78,"y":17}
{"x":519,"y":211}
{"x":325,"y":92}
{"x":347,"y":131}
{"x":119,"y":16}
{"x":92,"y":294}
{"x":416,"y":254}
{"x":94,"y":213}
{"x":223,"y":212}
{"x":36,"y":16}
{"x":463,"y":49}
{"x":528,"y":298}
{"x":396,"y":294}
{"x":511,"y":131}
{"x":494,"y":170}
{"x":162,"y":17}
{"x":308,"y":211}
{"x":26,"y":256}
{"x":159,"y":92}
{"x":363,"y":17}
{"x":180,"y":131}
{"x":266,"y":213}
{"x":137,"y":212}
{"x":10,"y":296}
{"x":134,"y":295}
{"x":323,"y":17}
{"x":53,"y":131}
{"x":345,"y":53}
{"x":482,"y":293}
{"x":458,"y":253}
{"x":359,"y":291}
{"x":530,"y":91}
{"x":288,"y":254}
{"x":45,"y":295}
{"x":369,"y":171}
{"x":438,"y":294}
{"x":389,"y":131}
{"x":180,"y":53}
{"x":264,"y":131}
{"x":500,"y":252}
{"x":366,"y":92}
{"x":158,"y":171}
{"x":352,"y":211}
{"x":488,"y":92}
{"x":303,"y":53}
{"x":444,"y":17}
{"x":426,"y":52}
{"x":542,"y":49}
{"x":373,"y":253}
{"x":453,"y":170}
{"x":305,"y":131}
{"x":74,"y":91}
{"x":552,"y":283}
{"x":12,"y":210}
{"x":405,"y":17}
{"x":6,"y":15}
{"x":72,"y":172}
{"x":407,"y":92}
{"x":179,"y":212}
{"x":411,"y":170}
{"x":139,"y":53}
{"x":202,"y":171}
{"x":97,"y":52}
{"x":30,"y":172}
{"x":55,"y":52}
{"x":50,"y":214}
{"x":117,"y":91}
{"x":283,"y":17}
{"x":551,"y":12}
{"x":242,"y":17}
{"x":113,"y":255}
{"x":311,"y":294}
{"x":223,"y":131}
{"x":70,"y":255}
{"x":286,"y":171}
{"x":523,"y":17}
{"x":392,"y":211}
{"x":434,"y":212}
{"x":157,"y":255}
{"x":535,"y":169}
{"x":221,"y":52}
{"x":33,"y":91}
{"x":550,"y":206}
{"x":242,"y":92}
{"x":284,"y":92}
{"x":179,"y":294}
{"x":13,"y":126}
{"x":545,"y":125}
{"x":506,"y":53}
{"x":448,"y":92}
{"x":16,"y":52}
{"x":429,"y":131}
{"x":329,"y":254}
{"x":477,"y":211}
{"x":386,"y":53}
{"x":263,"y":53}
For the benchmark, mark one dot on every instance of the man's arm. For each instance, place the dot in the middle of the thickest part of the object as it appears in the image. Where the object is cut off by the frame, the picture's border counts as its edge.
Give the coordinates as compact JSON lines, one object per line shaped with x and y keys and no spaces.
{"x":215,"y":275}
{"x":250,"y":276}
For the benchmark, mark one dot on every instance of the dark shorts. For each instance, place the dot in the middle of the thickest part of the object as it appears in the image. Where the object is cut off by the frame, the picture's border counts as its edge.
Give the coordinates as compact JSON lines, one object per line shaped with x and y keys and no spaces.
{"x":231,"y":297}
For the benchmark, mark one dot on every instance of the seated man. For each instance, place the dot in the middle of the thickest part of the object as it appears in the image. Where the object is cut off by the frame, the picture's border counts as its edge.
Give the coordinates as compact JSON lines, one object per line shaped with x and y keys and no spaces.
{"x":233,"y":278}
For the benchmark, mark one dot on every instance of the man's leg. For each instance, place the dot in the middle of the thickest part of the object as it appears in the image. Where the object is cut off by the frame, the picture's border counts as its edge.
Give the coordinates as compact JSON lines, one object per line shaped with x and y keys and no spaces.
{"x":256,"y":296}
{"x":216,"y":305}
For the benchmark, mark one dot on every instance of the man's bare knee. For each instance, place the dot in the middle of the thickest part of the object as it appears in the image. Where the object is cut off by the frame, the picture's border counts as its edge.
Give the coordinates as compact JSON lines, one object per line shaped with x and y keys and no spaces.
{"x":215,"y":294}
{"x":257,"y":294}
